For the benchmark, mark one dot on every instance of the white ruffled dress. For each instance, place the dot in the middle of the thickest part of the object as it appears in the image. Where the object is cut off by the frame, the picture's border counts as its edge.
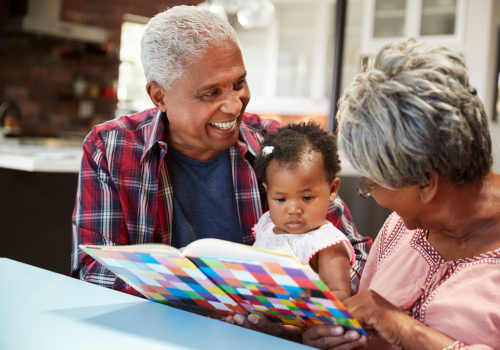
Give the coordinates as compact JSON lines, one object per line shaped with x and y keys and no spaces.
{"x":303,"y":246}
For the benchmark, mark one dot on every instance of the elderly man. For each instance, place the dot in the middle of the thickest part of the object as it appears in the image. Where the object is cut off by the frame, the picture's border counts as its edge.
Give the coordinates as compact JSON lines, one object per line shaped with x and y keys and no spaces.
{"x":183,"y":170}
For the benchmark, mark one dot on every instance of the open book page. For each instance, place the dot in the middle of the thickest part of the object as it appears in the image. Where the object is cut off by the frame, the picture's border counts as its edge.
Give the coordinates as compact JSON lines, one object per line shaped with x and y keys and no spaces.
{"x":224,"y":249}
{"x":165,"y":276}
{"x":150,"y":248}
{"x":206,"y":247}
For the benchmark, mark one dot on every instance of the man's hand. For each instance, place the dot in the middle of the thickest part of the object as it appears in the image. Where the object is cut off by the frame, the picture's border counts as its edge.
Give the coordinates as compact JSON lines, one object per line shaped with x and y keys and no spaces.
{"x":260,"y":324}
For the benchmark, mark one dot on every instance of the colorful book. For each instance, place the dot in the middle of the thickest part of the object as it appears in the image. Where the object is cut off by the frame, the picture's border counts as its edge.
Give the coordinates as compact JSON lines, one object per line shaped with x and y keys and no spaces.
{"x":221,"y":278}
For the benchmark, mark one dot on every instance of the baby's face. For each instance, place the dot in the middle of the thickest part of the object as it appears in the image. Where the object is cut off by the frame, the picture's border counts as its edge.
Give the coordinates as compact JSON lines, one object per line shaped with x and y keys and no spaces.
{"x":299,"y":199}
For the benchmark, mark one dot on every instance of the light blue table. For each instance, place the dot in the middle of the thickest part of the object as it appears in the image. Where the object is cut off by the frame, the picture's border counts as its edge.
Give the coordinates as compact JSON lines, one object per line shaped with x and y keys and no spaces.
{"x":40,"y":309}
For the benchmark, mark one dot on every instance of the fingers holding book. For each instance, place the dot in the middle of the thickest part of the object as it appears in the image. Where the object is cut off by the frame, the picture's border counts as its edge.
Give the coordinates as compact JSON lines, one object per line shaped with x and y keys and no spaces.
{"x":334,"y":337}
{"x":263,"y":325}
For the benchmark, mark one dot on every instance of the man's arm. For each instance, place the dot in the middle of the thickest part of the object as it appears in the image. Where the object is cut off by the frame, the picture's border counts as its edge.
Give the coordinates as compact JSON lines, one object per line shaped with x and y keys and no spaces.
{"x":340,"y":216}
{"x":97,"y":219}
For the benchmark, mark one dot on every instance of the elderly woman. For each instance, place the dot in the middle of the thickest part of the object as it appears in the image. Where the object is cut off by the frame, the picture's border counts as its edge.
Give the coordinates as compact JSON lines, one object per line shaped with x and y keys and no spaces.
{"x":413,"y":126}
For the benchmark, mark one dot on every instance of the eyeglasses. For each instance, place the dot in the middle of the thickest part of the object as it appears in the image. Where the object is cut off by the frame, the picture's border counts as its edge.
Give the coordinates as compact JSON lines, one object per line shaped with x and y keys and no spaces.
{"x":365,"y":189}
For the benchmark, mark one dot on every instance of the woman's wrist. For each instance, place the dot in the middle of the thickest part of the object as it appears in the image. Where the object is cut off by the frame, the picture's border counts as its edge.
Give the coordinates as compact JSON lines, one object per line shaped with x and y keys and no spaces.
{"x":418,"y":336}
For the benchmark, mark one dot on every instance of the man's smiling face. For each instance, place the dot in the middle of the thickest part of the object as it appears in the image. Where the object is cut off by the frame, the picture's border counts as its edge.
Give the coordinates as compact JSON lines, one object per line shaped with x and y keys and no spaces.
{"x":205,"y":107}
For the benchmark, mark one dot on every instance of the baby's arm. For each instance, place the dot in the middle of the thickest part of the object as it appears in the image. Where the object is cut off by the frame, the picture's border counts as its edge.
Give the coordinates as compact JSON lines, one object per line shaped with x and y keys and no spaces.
{"x":334,"y":269}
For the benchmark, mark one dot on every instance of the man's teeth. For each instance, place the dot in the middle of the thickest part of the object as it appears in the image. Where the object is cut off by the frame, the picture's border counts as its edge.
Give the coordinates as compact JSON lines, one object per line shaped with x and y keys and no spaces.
{"x":225,"y":126}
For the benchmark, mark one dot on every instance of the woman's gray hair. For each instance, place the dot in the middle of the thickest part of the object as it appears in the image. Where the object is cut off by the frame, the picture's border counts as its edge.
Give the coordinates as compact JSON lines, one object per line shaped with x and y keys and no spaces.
{"x":174,"y":38}
{"x":410,"y":112}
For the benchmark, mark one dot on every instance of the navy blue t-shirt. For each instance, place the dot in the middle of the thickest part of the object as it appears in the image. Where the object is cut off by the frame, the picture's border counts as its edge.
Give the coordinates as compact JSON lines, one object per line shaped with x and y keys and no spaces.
{"x":204,"y":199}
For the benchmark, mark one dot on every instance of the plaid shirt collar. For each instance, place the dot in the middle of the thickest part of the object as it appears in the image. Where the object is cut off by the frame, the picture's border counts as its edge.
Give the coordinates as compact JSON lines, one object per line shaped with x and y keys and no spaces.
{"x":157,"y":135}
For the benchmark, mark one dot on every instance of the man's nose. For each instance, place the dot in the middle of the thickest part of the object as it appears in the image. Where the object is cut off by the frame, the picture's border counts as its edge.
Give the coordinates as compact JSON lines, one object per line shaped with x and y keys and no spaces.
{"x":232,"y":104}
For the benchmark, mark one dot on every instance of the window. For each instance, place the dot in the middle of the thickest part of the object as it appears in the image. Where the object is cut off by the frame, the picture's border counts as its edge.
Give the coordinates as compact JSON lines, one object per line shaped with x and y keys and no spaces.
{"x":290,"y":63}
{"x":296,"y":48}
{"x":389,"y":18}
{"x":438,"y":17}
{"x":132,"y":95}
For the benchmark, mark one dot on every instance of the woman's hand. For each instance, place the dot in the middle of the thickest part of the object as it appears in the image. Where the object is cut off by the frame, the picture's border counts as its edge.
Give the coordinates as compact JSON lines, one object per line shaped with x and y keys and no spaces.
{"x":391,"y":324}
{"x":264,"y":325}
{"x":333,"y":337}
{"x":375,"y":313}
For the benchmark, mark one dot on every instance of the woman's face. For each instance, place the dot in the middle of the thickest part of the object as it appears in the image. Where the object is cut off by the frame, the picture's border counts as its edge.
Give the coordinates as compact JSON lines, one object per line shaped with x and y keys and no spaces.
{"x":406,"y":202}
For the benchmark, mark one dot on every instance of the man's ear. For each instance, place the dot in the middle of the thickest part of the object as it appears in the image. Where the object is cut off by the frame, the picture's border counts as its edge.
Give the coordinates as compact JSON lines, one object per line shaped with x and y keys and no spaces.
{"x":429,"y":191}
{"x":334,"y":189}
{"x":157,"y":95}
{"x":265,"y":186}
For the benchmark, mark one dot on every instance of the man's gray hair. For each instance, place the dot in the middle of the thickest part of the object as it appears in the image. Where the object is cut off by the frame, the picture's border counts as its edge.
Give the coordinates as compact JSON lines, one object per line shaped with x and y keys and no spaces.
{"x":174,"y":38}
{"x":410,"y":112}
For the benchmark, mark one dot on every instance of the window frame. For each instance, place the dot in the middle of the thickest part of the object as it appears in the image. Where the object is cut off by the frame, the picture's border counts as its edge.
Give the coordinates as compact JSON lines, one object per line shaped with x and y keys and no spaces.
{"x":413,"y":19}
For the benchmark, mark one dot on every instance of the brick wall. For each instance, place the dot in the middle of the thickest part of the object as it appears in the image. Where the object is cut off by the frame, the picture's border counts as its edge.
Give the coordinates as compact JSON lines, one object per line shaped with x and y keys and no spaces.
{"x":38,"y":72}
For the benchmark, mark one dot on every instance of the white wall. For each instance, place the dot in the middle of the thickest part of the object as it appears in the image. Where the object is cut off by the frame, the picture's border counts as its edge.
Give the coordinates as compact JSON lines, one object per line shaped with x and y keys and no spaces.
{"x":492,"y":81}
{"x":480,"y":51}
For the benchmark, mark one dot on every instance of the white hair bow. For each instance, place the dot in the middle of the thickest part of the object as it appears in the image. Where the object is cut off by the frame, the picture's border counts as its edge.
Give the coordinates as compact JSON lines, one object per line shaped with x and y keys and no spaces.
{"x":267,"y":150}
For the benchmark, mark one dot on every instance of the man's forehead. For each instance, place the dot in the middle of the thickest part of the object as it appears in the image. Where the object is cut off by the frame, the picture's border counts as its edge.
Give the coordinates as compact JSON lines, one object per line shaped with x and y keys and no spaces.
{"x":217,"y":65}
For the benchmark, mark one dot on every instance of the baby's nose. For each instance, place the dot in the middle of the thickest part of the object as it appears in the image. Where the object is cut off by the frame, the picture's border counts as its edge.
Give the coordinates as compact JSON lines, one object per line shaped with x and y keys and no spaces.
{"x":295,"y":210}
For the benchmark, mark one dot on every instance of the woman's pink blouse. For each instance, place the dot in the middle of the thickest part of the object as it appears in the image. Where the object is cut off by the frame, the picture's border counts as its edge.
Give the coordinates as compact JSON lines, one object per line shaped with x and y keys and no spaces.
{"x":459,"y":298}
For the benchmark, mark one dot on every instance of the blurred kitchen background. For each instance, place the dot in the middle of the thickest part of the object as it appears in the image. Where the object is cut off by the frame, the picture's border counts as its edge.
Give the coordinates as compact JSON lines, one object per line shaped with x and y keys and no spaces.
{"x":67,"y":65}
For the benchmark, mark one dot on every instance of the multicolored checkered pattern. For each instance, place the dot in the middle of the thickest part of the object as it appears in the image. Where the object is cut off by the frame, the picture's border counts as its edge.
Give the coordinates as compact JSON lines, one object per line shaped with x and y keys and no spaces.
{"x":214,"y":286}
{"x":287,"y":294}
{"x":169,"y":280}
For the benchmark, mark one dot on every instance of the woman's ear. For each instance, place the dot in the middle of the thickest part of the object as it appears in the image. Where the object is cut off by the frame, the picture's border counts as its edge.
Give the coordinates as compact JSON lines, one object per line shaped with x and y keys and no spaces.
{"x":429,"y":191}
{"x":157,"y":95}
{"x":334,"y":189}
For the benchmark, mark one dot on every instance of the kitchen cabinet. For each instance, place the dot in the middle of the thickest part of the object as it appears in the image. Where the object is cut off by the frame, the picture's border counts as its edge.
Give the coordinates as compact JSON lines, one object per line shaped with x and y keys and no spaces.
{"x":433,"y":21}
{"x":37,"y":195}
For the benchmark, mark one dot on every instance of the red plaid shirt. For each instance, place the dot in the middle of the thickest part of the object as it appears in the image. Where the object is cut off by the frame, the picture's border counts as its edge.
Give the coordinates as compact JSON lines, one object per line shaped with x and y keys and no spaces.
{"x":125,"y":193}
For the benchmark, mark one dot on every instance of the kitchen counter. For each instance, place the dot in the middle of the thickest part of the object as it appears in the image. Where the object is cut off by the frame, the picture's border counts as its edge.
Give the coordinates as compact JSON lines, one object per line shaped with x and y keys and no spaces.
{"x":47,"y":155}
{"x":41,"y":158}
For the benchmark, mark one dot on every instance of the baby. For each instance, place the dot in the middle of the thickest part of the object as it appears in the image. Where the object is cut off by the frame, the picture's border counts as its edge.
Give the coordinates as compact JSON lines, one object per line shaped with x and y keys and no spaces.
{"x":298,"y":167}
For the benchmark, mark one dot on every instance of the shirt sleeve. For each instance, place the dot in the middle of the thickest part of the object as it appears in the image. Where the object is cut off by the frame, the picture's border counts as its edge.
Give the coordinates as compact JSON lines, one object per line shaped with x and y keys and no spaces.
{"x":340,"y":216}
{"x":97,"y":219}
{"x":306,"y":245}
{"x":461,"y":346}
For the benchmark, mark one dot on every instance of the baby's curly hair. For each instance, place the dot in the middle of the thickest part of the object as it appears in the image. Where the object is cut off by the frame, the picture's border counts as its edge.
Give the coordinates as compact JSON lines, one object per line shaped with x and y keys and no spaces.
{"x":293,"y":142}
